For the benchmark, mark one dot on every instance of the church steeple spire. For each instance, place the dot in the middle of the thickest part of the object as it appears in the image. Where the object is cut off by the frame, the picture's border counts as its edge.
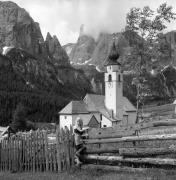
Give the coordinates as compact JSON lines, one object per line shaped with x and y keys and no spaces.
{"x":114,"y":84}
{"x":113,"y":56}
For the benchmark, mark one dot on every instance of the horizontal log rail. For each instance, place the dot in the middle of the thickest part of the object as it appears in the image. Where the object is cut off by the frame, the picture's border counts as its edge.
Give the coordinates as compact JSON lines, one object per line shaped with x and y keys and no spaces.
{"x":146,"y":152}
{"x":123,"y":131}
{"x":114,"y":160}
{"x":132,"y":138}
{"x":102,"y":150}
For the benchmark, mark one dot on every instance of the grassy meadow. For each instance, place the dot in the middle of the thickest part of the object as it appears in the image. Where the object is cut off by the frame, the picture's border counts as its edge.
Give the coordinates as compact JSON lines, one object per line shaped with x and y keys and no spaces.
{"x":94,"y":174}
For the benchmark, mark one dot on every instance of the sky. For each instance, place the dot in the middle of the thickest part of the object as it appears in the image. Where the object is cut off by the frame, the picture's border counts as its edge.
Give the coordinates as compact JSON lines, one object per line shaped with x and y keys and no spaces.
{"x":63,"y":18}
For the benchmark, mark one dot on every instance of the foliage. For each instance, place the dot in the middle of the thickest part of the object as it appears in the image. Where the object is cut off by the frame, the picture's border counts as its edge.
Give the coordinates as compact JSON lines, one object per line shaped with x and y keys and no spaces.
{"x":19,"y":118}
{"x":147,"y":24}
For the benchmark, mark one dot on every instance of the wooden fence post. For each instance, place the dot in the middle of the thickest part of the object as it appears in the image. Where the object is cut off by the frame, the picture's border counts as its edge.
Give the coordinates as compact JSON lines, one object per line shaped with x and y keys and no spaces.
{"x":58,"y":146}
{"x":63,"y":147}
{"x":46,"y":150}
{"x":72,"y":148}
{"x":67,"y":138}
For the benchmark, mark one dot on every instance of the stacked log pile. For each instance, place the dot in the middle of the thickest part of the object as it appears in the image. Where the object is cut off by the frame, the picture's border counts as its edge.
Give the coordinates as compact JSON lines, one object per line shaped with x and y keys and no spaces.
{"x":152,"y":143}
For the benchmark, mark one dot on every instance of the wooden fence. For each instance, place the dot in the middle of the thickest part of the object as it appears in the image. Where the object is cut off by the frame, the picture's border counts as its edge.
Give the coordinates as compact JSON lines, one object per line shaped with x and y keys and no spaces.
{"x":38,"y":151}
{"x":147,"y":144}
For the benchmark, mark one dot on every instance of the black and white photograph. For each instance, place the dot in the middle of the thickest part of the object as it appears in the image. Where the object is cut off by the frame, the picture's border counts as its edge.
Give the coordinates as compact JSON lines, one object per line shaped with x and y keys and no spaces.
{"x":88,"y":90}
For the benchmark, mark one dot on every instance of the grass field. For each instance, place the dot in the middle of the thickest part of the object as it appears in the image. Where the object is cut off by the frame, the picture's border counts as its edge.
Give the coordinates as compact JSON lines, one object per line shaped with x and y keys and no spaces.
{"x":93,"y":174}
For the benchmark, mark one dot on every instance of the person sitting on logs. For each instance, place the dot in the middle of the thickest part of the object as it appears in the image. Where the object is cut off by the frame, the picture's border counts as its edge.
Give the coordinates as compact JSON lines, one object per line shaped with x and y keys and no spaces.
{"x":79,"y":135}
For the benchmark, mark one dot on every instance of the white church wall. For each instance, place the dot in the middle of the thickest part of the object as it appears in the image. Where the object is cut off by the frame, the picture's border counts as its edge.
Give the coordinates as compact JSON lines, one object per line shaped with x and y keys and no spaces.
{"x":114,"y":92}
{"x":65,"y":120}
{"x":106,"y":122}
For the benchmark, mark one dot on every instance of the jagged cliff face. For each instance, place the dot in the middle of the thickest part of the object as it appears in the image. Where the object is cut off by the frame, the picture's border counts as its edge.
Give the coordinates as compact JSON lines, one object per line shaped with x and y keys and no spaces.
{"x":68,"y":48}
{"x":18,"y":29}
{"x":55,"y":52}
{"x":89,"y":51}
{"x":34,"y":71}
{"x":83,"y":50}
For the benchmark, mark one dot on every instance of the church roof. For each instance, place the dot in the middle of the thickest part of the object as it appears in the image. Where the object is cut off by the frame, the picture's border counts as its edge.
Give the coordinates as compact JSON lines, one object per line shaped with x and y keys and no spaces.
{"x":127,"y":105}
{"x":75,"y":107}
{"x":93,"y":103}
{"x":112,"y":57}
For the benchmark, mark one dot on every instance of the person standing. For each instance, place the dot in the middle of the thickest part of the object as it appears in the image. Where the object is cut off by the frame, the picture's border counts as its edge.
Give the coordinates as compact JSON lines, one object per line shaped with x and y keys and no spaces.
{"x":79,"y":135}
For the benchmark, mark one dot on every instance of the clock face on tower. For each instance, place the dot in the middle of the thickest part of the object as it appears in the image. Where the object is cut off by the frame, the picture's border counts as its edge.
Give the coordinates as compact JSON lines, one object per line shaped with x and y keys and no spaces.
{"x":109,"y":84}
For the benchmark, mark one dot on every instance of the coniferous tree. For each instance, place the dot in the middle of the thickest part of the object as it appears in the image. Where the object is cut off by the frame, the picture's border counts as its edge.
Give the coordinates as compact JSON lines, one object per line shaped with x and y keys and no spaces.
{"x":19,"y":121}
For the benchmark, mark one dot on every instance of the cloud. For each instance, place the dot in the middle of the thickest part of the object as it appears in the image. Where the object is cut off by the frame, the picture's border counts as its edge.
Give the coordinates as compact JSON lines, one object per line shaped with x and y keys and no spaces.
{"x":64,"y":17}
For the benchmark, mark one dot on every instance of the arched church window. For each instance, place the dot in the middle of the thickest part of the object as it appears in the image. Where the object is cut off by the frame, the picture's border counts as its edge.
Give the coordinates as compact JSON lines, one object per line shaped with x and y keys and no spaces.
{"x":109,"y":78}
{"x":119,"y":78}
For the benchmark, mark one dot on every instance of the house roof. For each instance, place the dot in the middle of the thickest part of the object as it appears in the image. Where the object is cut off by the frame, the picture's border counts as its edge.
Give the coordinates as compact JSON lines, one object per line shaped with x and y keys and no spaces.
{"x":75,"y":107}
{"x":112,"y":57}
{"x":2,"y":129}
{"x":87,"y":119}
{"x":174,"y":102}
{"x":127,"y":105}
{"x":94,"y":102}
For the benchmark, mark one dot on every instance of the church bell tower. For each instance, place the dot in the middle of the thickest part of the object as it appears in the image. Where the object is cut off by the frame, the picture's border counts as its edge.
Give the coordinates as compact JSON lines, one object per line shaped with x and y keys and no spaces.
{"x":114,"y":84}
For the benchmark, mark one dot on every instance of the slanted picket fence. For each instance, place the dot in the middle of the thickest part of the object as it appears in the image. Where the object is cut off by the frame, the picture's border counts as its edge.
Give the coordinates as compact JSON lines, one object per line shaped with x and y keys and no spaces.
{"x":38,"y":151}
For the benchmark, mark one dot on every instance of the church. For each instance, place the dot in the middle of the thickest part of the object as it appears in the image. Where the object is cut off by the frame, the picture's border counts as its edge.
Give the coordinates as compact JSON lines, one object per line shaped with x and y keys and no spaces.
{"x":99,"y":110}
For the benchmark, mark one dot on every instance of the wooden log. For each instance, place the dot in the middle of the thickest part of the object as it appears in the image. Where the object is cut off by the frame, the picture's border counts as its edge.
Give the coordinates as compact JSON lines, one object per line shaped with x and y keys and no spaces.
{"x":140,"y":126}
{"x":33,"y":151}
{"x":5,"y":149}
{"x":132,"y":138}
{"x":109,"y":132}
{"x":46,"y":151}
{"x":169,"y":122}
{"x":102,"y":150}
{"x":158,"y":130}
{"x":43,"y":152}
{"x":31,"y":157}
{"x":2,"y":155}
{"x":146,"y":152}
{"x":67,"y":138}
{"x":72,"y":147}
{"x":63,"y":149}
{"x":15,"y":154}
{"x":115,"y":160}
{"x":58,"y":148}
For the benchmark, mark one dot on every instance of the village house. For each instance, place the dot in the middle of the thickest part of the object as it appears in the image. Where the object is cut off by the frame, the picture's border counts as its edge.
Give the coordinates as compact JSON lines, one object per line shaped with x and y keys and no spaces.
{"x":99,"y":110}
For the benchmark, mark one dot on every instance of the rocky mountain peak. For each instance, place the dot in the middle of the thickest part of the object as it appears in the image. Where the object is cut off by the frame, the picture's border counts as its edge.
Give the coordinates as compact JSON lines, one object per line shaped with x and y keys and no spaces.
{"x":18,"y":29}
{"x":55,"y":52}
{"x":48,"y":37}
